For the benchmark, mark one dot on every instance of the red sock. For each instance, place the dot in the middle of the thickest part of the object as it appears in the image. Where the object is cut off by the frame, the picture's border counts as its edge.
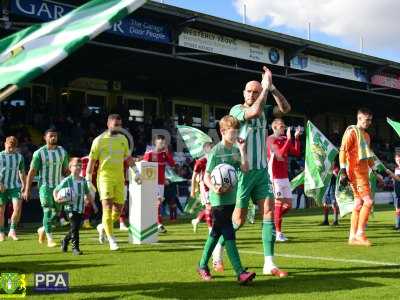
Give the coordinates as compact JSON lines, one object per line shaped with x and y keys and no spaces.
{"x":208,"y":217}
{"x":326,"y":210}
{"x":123,"y":216}
{"x":201,"y":214}
{"x":278,"y":216}
{"x":285,"y":208}
{"x":172,"y":213}
{"x":159,"y":217}
{"x":335,"y":213}
{"x":335,"y":210}
{"x":88,"y":211}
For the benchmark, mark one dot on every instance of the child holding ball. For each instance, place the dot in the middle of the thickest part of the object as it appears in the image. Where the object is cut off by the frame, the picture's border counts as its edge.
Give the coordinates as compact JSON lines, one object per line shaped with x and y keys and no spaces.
{"x":73,"y":191}
{"x":230,"y":151}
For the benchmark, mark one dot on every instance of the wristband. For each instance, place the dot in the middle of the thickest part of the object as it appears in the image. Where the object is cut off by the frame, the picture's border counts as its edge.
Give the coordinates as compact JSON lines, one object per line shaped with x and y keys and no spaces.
{"x":272,"y":88}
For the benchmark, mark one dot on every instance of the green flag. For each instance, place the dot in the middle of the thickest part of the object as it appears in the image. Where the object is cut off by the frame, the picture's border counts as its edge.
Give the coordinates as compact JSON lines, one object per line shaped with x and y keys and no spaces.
{"x":320,"y":155}
{"x":344,"y":196}
{"x":298,"y":180}
{"x":32,"y":51}
{"x":395,"y":125}
{"x":194,"y":140}
{"x":193,"y":205}
{"x":378,"y":165}
{"x":172,"y":176}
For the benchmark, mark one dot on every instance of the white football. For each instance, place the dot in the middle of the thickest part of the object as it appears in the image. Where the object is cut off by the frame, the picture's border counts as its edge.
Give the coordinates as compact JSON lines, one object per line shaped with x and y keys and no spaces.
{"x":224,"y":175}
{"x":67,"y":194}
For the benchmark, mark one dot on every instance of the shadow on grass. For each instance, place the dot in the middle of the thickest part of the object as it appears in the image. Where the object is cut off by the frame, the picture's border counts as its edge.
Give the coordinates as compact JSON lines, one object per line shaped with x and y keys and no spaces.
{"x":301,"y":284}
{"x":44,"y":266}
{"x":298,"y":271}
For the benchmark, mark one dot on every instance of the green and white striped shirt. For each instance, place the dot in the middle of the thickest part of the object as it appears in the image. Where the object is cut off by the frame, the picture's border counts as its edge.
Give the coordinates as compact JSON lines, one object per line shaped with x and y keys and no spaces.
{"x":80,"y":188}
{"x":10,"y":166}
{"x":50,"y":164}
{"x":254,"y":132}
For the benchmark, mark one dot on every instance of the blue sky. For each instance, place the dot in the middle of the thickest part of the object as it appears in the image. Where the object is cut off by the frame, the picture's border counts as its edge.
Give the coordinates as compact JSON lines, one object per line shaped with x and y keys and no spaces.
{"x":375,"y":45}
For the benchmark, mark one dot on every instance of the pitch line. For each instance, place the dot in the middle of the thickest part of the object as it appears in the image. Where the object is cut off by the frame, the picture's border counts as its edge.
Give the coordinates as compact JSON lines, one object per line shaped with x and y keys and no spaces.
{"x":355,"y":261}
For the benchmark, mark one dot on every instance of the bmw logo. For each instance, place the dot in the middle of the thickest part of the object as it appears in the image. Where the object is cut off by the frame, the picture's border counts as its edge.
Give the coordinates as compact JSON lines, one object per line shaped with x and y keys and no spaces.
{"x":274,"y":55}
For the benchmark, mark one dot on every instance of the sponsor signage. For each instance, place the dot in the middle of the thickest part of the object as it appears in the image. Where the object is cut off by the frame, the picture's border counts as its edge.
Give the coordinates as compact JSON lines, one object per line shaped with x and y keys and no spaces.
{"x":329,"y":67}
{"x":224,"y":45}
{"x":141,"y":28}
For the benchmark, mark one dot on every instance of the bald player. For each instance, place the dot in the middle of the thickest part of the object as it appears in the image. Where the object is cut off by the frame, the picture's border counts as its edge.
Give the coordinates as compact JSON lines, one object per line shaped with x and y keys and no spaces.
{"x":255,"y":184}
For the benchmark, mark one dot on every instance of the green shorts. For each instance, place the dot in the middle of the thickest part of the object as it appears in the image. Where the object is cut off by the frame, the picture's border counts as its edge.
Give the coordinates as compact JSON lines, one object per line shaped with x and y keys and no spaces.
{"x":254,"y":184}
{"x":10,"y":195}
{"x":46,"y":197}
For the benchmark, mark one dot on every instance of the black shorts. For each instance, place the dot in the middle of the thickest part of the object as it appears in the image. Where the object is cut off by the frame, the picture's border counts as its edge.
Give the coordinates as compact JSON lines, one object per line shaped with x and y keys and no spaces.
{"x":222,"y":222}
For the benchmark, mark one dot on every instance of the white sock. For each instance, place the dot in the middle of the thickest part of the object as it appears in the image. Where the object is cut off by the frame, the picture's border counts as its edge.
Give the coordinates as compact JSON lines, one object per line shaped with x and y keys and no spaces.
{"x":209,"y":230}
{"x":218,"y":253}
{"x":160,"y":225}
{"x":268,"y":262}
{"x":360,"y":233}
{"x":49,"y":236}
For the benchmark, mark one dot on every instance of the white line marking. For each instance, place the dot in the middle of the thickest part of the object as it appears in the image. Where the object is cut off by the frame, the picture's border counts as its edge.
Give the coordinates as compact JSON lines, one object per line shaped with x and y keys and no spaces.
{"x":356,"y":261}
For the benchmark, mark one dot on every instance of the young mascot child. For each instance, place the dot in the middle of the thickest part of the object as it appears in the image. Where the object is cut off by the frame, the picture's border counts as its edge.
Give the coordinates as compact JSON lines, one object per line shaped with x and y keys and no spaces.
{"x":223,"y":201}
{"x":77,"y":192}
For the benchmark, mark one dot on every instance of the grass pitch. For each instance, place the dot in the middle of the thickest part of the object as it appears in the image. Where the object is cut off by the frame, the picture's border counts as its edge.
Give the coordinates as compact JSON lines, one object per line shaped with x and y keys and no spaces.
{"x":320,"y":263}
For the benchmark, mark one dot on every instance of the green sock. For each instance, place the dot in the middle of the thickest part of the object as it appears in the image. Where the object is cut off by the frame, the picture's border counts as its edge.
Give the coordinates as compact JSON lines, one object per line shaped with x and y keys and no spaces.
{"x":47,"y":217}
{"x":208,"y":250}
{"x":234,"y":257}
{"x":53,"y":215}
{"x":221,"y":238}
{"x":13,"y":226}
{"x":268,"y":237}
{"x":221,"y":241}
{"x":1,"y":229}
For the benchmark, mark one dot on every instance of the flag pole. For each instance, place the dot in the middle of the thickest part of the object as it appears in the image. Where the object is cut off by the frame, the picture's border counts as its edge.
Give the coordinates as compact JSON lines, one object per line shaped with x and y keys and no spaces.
{"x":8,"y":92}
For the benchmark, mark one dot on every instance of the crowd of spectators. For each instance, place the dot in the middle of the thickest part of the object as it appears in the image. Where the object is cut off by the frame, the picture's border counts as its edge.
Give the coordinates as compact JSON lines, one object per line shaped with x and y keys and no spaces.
{"x":80,"y":126}
{"x":77,"y":131}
